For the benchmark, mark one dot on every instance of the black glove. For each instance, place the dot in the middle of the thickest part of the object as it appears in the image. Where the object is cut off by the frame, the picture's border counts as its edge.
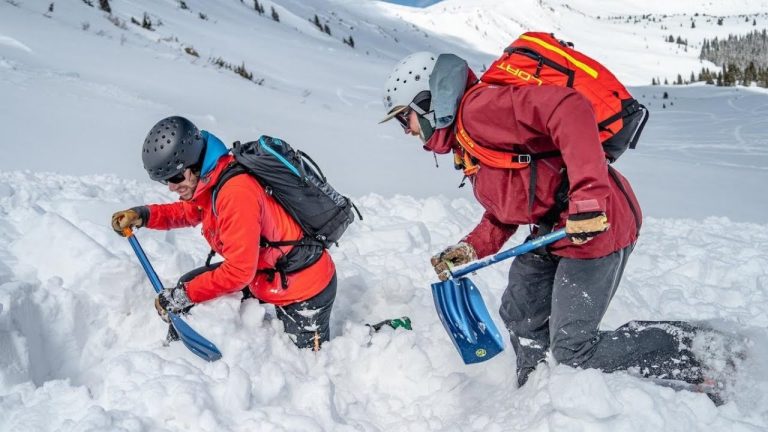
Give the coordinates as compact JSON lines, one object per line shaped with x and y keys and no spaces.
{"x":452,"y":256}
{"x":173,"y":300}
{"x":583,"y":227}
{"x":132,"y":218}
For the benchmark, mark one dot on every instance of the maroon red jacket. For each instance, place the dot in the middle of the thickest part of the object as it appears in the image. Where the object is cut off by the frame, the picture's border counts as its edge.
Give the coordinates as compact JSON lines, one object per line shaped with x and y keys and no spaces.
{"x":533,"y":119}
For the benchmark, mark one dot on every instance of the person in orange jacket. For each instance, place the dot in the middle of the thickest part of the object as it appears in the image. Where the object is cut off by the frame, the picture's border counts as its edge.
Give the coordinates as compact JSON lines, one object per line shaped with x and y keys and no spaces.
{"x":237,"y":217}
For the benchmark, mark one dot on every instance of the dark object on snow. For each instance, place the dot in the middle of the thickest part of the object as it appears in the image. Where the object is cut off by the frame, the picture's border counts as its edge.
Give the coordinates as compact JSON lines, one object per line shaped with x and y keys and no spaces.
{"x":395,"y":323}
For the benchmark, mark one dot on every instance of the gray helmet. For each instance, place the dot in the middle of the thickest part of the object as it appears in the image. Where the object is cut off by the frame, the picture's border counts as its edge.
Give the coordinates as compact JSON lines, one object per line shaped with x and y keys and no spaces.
{"x":171,"y":146}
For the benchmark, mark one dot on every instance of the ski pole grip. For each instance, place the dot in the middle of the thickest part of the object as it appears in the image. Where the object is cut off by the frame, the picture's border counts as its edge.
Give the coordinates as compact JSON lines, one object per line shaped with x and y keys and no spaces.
{"x":127,"y":232}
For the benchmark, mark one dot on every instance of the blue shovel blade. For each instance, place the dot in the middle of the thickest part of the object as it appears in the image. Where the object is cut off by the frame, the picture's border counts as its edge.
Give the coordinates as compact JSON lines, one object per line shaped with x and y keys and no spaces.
{"x":466,"y":319}
{"x":199,"y":345}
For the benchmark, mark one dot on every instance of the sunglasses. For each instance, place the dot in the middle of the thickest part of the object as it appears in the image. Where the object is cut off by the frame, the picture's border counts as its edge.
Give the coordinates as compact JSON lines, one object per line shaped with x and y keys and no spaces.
{"x":402,"y":118}
{"x":178,"y":178}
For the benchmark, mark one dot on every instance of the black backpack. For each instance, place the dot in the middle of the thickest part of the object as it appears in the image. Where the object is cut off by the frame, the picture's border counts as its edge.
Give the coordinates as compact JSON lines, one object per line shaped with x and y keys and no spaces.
{"x":295,"y":181}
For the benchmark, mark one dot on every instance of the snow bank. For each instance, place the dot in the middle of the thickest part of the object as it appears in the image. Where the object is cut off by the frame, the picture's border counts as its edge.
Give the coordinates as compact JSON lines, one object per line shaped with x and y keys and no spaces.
{"x":81,"y":346}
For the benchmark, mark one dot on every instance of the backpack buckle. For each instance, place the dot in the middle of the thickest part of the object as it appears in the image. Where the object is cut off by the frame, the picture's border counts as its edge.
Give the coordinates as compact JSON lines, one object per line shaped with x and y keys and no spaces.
{"x":523,"y":158}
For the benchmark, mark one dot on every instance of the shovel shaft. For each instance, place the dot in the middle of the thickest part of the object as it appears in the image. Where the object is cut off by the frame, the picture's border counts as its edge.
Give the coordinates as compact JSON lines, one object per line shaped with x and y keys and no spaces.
{"x":509,"y":253}
{"x":196,"y":343}
{"x":151,"y":274}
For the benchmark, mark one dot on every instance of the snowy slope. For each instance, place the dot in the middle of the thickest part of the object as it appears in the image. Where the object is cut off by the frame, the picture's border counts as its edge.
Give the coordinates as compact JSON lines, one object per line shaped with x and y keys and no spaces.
{"x":80,"y":345}
{"x":627,"y":36}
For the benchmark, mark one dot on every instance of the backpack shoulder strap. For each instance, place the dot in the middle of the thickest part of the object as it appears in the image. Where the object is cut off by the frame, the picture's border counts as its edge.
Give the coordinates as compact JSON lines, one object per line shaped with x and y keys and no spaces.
{"x":493,"y":158}
{"x":234,"y":169}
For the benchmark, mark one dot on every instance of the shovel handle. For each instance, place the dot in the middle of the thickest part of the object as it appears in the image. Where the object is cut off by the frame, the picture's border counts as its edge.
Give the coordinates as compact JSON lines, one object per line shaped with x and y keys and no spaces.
{"x":145,"y":264}
{"x":509,"y":253}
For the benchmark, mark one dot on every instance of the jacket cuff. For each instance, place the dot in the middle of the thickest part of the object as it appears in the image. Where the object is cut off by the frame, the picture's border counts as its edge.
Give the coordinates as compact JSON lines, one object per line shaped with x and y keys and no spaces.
{"x":143,"y":212}
{"x":585,"y":206}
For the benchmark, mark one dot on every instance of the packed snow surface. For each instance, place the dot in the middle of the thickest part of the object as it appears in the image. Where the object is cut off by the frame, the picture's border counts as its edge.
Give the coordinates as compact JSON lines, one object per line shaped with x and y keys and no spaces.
{"x":81,"y":347}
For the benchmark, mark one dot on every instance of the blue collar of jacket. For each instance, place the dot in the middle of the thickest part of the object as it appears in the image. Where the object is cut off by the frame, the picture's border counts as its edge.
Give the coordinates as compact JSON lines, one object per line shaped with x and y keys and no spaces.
{"x":214,"y":150}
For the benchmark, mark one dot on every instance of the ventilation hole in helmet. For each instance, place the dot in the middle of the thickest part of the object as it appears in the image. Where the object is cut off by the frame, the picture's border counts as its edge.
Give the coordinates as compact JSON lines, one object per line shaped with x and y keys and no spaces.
{"x":404,"y":81}
{"x":417,"y":77}
{"x":162,"y":146}
{"x":169,"y":141}
{"x":410,"y":72}
{"x":173,"y":133}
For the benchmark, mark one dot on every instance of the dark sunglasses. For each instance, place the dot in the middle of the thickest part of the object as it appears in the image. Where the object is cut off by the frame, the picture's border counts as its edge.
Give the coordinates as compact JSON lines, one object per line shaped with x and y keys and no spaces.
{"x":402,"y":118}
{"x":178,"y":178}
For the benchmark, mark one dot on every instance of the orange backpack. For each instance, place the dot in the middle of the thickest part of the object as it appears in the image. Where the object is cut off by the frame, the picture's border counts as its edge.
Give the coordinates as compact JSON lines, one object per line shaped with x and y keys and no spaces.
{"x":541,"y":59}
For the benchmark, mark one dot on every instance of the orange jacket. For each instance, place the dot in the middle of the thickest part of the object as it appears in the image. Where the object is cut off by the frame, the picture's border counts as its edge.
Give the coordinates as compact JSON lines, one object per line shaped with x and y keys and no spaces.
{"x":245,"y":214}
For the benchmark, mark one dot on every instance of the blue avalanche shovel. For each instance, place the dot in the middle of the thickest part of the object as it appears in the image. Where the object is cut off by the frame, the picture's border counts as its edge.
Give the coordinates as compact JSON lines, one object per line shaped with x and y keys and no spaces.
{"x":463,"y":312}
{"x":199,"y":345}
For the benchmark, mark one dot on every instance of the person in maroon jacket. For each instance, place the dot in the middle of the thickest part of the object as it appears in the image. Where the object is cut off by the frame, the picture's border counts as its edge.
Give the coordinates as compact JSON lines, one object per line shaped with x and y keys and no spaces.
{"x":556,"y":297}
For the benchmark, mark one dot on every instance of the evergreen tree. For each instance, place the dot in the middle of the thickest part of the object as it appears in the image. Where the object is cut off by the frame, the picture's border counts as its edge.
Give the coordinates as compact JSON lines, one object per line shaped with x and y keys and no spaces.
{"x":275,"y":16}
{"x":693,"y":24}
{"x":327,"y":29}
{"x":104,"y":5}
{"x":679,"y":80}
{"x":146,"y":22}
{"x":317,"y":23}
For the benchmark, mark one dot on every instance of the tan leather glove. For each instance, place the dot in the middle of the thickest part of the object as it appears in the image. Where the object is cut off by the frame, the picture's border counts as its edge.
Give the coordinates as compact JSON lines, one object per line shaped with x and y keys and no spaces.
{"x":583,"y":227}
{"x":452,"y":256}
{"x":132,"y":218}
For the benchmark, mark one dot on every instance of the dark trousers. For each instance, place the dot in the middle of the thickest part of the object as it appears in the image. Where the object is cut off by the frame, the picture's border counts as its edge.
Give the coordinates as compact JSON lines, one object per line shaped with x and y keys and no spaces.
{"x":556,"y":304}
{"x":306,"y":322}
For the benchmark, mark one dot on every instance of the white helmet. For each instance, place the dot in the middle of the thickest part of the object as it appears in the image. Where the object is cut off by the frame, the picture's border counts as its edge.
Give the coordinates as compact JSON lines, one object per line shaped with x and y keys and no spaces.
{"x":409,"y":78}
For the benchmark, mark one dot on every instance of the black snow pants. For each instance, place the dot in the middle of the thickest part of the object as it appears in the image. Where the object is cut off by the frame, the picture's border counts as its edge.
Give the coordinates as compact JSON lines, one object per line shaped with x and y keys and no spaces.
{"x":556,"y":304}
{"x":307,"y":322}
